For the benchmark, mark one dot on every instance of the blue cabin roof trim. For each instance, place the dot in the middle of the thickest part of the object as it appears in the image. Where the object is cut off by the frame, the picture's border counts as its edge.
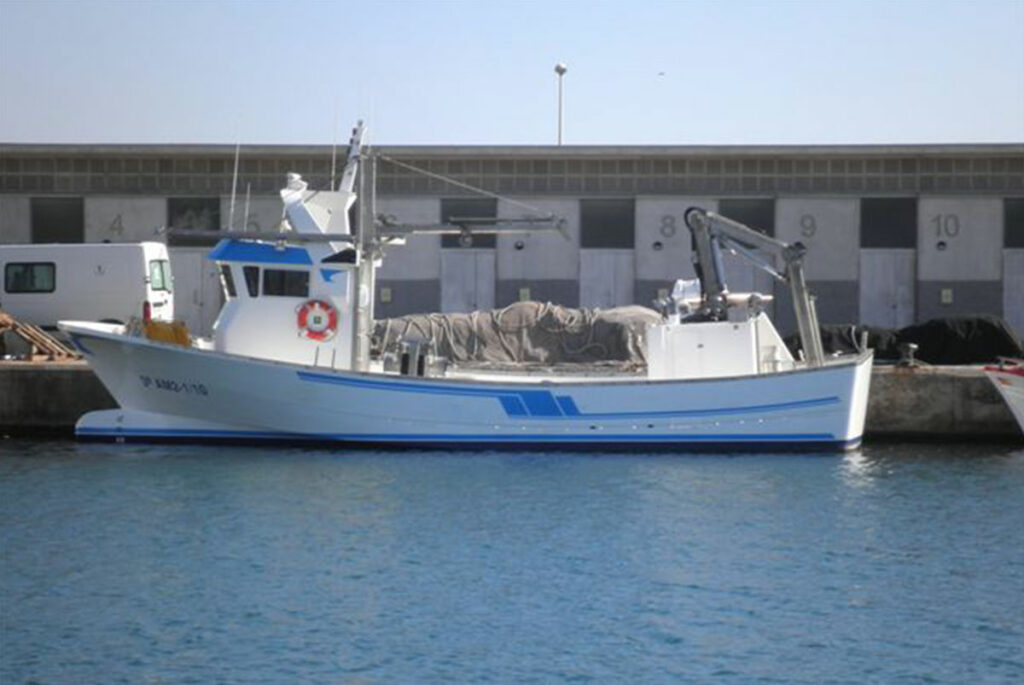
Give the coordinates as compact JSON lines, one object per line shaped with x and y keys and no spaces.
{"x":230,"y":250}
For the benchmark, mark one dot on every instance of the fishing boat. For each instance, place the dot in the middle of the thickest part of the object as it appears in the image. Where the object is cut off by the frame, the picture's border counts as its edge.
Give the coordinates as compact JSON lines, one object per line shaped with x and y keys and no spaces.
{"x":290,"y":356}
{"x":1008,"y":377}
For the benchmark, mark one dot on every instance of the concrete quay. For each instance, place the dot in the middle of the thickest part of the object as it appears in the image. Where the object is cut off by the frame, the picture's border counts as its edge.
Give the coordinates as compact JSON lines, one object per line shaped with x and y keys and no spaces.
{"x":923,"y":402}
{"x":937,"y":402}
{"x":48,"y":397}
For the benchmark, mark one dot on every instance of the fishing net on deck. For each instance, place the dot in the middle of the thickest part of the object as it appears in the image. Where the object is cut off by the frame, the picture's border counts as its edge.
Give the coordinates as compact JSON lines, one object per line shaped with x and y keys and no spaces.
{"x":525,"y":332}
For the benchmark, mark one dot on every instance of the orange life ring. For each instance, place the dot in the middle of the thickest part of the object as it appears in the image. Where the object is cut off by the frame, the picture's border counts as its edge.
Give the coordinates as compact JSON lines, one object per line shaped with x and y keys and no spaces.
{"x":318,"y":320}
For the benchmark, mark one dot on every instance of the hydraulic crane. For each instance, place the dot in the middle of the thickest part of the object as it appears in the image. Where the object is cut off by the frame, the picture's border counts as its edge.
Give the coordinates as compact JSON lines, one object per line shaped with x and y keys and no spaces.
{"x":713,"y":232}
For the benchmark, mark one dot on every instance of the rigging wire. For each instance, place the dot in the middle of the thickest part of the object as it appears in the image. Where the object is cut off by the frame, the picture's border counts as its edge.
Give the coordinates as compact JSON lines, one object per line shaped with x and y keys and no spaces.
{"x":459,"y":184}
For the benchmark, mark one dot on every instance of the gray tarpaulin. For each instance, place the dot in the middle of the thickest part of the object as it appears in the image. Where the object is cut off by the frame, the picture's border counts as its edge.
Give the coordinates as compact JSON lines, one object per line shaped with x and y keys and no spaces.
{"x":530,"y":332}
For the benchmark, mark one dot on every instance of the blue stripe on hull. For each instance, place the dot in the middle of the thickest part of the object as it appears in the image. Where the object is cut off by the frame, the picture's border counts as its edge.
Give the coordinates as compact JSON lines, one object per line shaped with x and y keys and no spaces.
{"x":543,"y":404}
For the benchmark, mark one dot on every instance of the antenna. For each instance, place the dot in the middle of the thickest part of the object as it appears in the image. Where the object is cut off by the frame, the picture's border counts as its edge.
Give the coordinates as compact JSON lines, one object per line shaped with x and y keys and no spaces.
{"x":234,"y":186}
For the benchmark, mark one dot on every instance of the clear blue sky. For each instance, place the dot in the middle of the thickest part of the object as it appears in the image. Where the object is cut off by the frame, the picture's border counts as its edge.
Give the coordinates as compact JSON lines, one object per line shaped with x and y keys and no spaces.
{"x":827,"y":71}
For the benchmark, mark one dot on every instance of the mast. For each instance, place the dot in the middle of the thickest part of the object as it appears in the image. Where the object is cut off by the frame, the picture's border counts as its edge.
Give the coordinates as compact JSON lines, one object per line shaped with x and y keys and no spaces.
{"x":366,"y":263}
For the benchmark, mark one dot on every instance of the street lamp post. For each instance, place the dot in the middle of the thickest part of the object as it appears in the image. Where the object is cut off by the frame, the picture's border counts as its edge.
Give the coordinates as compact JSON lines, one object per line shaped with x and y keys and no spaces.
{"x":560,"y":69}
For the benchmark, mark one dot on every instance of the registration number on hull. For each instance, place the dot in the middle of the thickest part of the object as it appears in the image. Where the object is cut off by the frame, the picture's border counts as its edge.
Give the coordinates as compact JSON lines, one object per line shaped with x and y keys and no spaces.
{"x":170,"y":385}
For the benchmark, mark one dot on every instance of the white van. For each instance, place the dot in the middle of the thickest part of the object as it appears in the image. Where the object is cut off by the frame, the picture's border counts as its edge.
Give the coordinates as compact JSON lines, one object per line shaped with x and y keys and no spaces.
{"x":111,"y":282}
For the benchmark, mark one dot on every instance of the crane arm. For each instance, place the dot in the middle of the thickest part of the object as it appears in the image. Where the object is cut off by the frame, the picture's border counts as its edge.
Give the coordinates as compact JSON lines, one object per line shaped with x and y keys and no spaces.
{"x":712,"y":232}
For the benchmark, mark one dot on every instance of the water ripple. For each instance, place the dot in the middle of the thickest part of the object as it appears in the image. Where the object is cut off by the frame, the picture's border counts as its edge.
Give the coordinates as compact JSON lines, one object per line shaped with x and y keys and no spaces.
{"x":900,"y":563}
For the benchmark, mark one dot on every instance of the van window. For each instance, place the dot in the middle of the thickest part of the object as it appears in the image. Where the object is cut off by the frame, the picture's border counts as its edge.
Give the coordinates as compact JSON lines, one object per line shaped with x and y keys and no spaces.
{"x":285,"y":283}
{"x":228,"y":281}
{"x":30,"y":277}
{"x":168,"y":276}
{"x":160,"y":275}
{"x":252,"y":280}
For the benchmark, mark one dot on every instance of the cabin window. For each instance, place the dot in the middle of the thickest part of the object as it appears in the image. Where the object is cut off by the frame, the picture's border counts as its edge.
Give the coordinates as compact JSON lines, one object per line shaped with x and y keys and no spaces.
{"x":252,"y":280}
{"x":285,"y":283}
{"x":228,"y":281}
{"x":160,"y":275}
{"x":30,"y":277}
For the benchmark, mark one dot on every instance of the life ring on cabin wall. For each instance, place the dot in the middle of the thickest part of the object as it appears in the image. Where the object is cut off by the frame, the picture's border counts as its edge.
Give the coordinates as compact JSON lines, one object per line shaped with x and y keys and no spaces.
{"x":318,"y":320}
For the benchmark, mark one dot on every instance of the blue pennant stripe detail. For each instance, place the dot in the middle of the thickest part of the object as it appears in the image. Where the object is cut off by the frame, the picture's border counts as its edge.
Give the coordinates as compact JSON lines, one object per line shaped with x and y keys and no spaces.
{"x":568,"y":405}
{"x":542,"y":404}
{"x":513,"y":406}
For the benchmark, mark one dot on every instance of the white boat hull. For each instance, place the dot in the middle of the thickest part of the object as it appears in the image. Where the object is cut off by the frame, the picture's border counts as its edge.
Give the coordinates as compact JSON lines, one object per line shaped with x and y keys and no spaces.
{"x":169,"y":392}
{"x":1009,"y":381}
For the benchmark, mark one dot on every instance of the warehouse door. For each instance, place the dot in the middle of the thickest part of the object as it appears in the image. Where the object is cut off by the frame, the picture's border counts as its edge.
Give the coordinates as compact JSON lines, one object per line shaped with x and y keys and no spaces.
{"x":198,"y":297}
{"x":607,"y":259}
{"x":467,"y":280}
{"x":606,"y":278}
{"x":468,"y":261}
{"x":1013,"y":289}
{"x":887,"y":287}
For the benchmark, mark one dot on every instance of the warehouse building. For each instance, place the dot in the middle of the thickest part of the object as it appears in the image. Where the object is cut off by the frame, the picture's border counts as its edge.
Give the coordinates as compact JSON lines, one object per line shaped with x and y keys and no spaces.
{"x":896,"y":234}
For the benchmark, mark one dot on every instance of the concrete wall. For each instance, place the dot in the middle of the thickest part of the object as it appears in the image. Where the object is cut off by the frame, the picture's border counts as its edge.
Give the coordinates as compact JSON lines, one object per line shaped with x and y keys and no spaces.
{"x":420,"y":258}
{"x":124,"y":219}
{"x":130,"y":218}
{"x":959,"y":266}
{"x":830,"y":228}
{"x":546,"y":263}
{"x":15,"y":219}
{"x":937,"y":402}
{"x":264,"y":212}
{"x":410,"y":279}
{"x":48,"y":397}
{"x":960,"y":256}
{"x":662,"y":250}
{"x":544,"y":255}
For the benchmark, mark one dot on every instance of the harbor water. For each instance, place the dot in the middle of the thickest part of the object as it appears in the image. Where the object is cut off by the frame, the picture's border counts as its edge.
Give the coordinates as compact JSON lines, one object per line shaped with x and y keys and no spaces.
{"x":899,"y":563}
